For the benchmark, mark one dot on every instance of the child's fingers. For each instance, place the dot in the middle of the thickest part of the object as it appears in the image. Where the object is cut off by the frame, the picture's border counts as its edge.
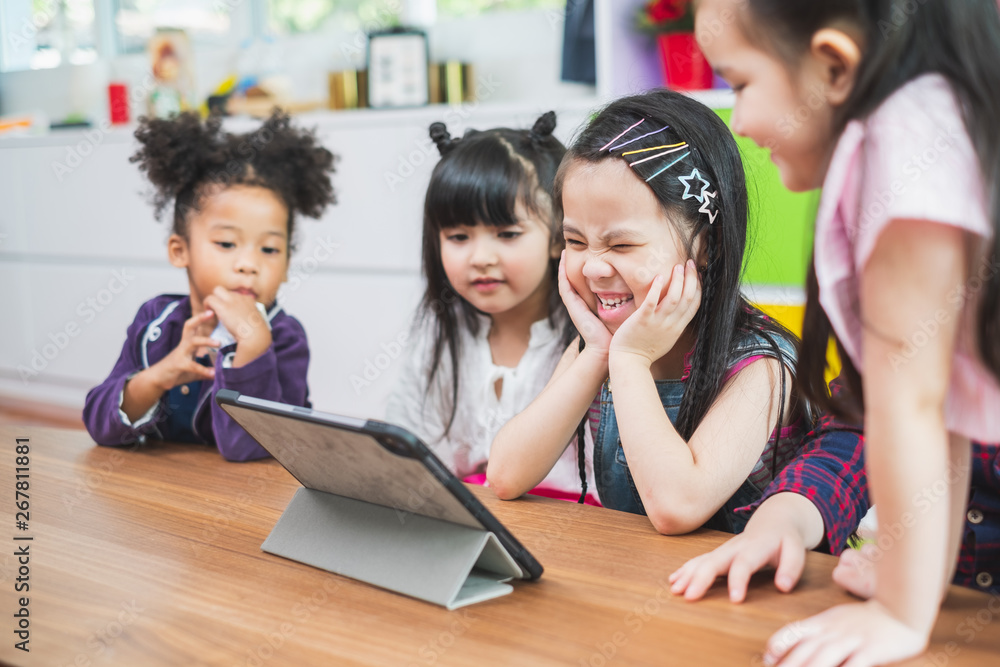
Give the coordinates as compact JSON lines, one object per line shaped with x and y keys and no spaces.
{"x":655,"y":293}
{"x":680,"y":577}
{"x":791,"y":561}
{"x":746,"y":563}
{"x":714,"y":566}
{"x":202,"y":372}
{"x":675,"y":289}
{"x":692,"y":285}
{"x":192,"y":323}
{"x":203,"y":341}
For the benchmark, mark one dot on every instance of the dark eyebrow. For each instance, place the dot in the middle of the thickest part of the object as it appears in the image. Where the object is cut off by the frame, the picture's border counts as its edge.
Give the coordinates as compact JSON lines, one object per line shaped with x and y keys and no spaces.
{"x":608,"y":238}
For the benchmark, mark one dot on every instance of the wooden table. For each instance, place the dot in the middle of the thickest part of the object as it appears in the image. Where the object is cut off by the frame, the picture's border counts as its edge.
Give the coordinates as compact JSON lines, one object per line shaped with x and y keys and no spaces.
{"x":152,"y":557}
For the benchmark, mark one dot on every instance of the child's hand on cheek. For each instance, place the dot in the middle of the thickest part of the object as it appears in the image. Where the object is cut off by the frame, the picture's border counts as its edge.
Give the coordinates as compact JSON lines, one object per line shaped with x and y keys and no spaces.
{"x":656,"y":325}
{"x":593,"y":331}
{"x":179,"y":367}
{"x":238,"y":313}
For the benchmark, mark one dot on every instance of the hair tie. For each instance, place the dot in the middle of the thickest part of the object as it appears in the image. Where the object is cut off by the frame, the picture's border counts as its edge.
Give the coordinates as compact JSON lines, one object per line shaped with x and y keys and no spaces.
{"x":439,"y":135}
{"x":543,"y":127}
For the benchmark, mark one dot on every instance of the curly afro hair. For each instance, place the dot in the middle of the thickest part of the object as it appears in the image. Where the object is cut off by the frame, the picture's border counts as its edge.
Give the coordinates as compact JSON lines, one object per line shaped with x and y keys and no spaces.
{"x":185,"y":158}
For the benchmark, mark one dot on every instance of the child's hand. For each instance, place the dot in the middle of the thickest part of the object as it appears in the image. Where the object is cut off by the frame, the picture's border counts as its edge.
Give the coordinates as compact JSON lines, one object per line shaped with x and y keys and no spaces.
{"x":594,"y":332}
{"x":656,"y":325}
{"x":861,"y":635}
{"x":238,"y":313}
{"x":179,"y":367}
{"x":768,"y":540}
{"x":856,"y":570}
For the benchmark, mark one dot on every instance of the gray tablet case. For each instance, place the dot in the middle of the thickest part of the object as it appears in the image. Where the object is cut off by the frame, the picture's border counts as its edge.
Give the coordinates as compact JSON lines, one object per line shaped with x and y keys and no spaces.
{"x":368,"y":513}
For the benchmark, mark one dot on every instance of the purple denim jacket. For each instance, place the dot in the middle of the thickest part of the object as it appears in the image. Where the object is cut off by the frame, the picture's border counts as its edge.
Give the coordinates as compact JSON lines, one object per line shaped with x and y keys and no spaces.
{"x":279,"y":374}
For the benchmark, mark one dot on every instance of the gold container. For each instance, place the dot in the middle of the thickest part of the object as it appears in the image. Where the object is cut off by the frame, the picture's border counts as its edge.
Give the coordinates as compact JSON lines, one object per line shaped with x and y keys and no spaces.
{"x":348,"y":89}
{"x":451,"y":82}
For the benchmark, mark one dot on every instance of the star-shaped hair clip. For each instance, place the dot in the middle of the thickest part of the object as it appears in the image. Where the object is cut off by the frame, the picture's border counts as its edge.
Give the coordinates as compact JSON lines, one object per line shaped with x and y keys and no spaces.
{"x":709,"y":196}
{"x":688,"y":193}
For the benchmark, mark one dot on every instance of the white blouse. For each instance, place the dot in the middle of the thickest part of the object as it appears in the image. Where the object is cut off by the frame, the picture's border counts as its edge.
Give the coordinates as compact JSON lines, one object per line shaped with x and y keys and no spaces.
{"x":480,"y":414}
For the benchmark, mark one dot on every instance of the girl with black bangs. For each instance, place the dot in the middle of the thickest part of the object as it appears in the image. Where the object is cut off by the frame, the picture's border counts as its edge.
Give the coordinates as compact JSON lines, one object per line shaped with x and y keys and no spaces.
{"x":234,"y":200}
{"x":491,"y":327}
{"x":694,"y":412}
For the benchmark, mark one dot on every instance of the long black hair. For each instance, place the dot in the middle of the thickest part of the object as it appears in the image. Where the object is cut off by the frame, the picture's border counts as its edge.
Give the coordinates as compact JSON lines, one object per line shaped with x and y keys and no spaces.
{"x":903,"y":40}
{"x":185,"y":157}
{"x":480,"y":180}
{"x":724,"y":315}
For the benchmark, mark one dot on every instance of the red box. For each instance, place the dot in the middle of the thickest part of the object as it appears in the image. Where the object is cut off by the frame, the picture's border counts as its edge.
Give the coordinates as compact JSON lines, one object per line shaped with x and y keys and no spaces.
{"x":118,"y":103}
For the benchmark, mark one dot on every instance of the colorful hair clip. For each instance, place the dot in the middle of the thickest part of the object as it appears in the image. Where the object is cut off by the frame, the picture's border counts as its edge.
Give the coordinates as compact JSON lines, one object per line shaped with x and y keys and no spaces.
{"x":704,"y":207}
{"x":653,"y":157}
{"x":632,"y":141}
{"x":623,"y":134}
{"x":686,"y":180}
{"x":668,"y":166}
{"x":654,"y":148}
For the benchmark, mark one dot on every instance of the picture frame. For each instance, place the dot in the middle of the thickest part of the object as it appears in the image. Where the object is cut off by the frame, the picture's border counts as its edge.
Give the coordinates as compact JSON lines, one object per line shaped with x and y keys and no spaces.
{"x":398,"y":68}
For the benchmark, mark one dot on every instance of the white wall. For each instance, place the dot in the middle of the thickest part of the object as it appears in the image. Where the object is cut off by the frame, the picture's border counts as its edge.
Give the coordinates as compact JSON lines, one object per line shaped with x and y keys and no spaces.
{"x":75,"y":225}
{"x":522,"y":50}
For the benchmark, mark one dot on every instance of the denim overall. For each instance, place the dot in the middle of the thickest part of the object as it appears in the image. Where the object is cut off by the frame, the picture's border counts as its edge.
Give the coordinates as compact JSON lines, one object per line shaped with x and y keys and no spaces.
{"x":614,"y":481}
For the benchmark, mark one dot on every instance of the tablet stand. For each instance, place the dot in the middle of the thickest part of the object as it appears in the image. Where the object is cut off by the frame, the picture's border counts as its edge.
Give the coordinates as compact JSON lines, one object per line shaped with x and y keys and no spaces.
{"x":438,"y":561}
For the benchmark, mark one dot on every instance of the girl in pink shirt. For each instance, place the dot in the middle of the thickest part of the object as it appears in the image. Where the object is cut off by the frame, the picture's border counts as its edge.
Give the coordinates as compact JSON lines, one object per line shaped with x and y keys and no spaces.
{"x":892,"y":108}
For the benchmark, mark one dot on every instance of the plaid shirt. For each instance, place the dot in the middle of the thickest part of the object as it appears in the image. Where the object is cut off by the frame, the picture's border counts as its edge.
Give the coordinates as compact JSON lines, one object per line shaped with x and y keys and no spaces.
{"x":830,"y":472}
{"x":979,"y":561}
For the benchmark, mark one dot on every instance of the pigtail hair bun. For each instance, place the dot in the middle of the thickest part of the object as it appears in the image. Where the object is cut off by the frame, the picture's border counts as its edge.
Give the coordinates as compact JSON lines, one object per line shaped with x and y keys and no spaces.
{"x":176,"y":153}
{"x":439,"y":135}
{"x":541,"y":131}
{"x":289,"y":160}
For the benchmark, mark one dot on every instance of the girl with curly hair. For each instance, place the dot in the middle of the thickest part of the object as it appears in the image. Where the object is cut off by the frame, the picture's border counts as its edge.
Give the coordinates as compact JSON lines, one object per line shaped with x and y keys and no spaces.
{"x":234,"y":200}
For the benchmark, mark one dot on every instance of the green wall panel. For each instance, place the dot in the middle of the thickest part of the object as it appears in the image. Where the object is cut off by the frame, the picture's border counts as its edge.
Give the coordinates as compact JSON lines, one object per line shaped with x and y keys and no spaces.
{"x":780,"y":236}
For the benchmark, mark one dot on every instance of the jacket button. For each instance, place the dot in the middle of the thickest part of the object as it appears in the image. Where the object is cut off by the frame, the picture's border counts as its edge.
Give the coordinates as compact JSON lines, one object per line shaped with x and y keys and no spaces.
{"x":975,"y":516}
{"x":185,"y":389}
{"x":984,"y":579}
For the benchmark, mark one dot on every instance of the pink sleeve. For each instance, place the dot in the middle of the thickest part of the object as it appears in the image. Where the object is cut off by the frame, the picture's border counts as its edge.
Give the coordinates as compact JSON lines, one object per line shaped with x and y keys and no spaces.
{"x":918,"y":164}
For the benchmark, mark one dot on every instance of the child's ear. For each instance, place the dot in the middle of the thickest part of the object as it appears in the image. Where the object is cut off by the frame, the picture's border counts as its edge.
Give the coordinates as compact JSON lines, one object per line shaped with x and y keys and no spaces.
{"x":838,"y":56}
{"x":177,"y":251}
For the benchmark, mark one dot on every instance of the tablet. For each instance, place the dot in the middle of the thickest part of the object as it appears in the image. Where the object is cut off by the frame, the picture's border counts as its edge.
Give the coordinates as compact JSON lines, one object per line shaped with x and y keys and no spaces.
{"x":370,"y":461}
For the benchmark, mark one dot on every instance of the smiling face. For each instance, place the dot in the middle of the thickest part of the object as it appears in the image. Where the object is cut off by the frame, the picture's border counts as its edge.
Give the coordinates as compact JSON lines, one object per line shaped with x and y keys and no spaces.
{"x":237,"y":239}
{"x":500,"y":269}
{"x":618,"y":238}
{"x":782,"y":108}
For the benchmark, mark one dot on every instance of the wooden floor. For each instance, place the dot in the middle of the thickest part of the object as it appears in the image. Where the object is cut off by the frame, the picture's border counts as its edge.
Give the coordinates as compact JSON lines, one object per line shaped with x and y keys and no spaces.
{"x":30,"y":413}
